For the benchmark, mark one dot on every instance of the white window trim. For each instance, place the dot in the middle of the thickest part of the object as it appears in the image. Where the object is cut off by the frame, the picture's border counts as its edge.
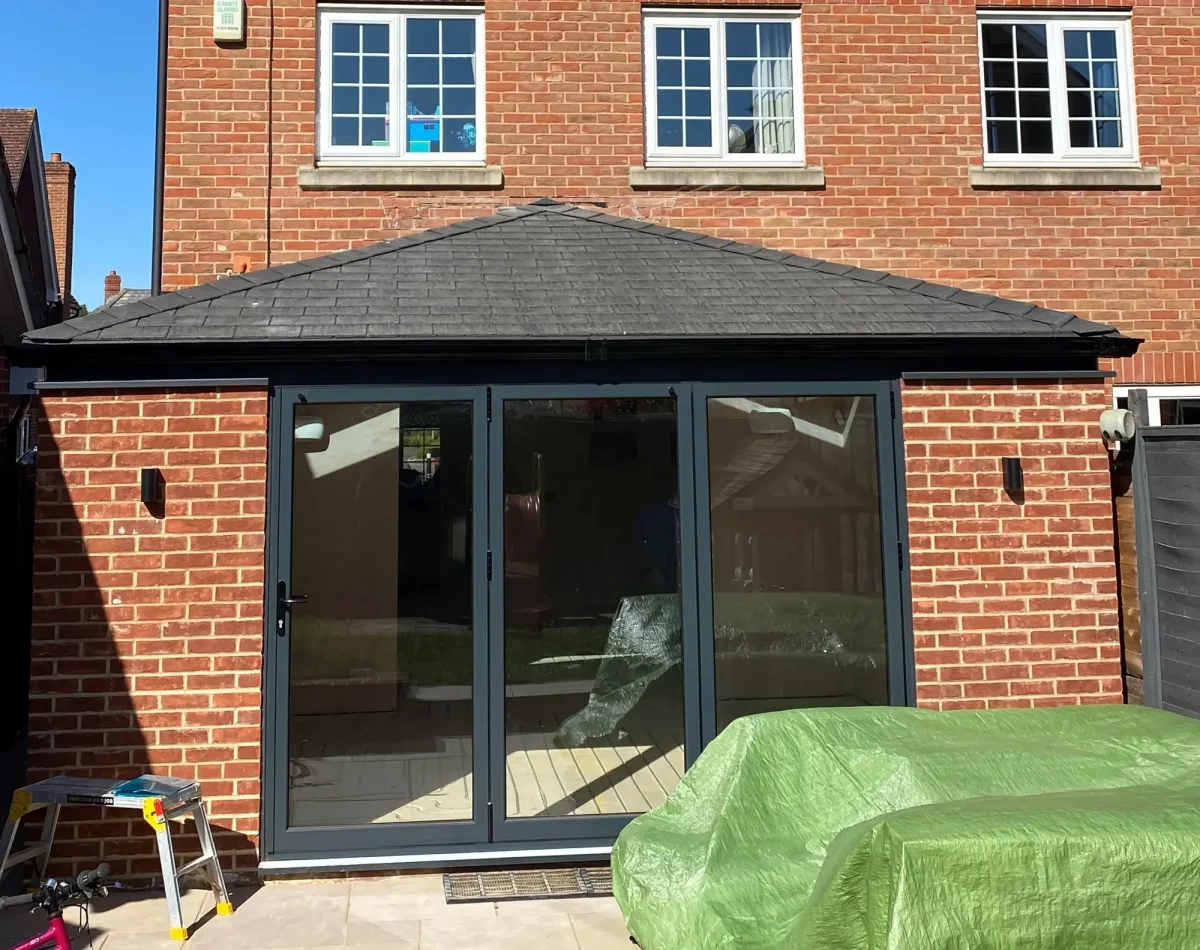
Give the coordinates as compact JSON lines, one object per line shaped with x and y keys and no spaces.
{"x":1155,"y":395}
{"x":717,"y":154}
{"x":1063,"y":155}
{"x":394,"y":154}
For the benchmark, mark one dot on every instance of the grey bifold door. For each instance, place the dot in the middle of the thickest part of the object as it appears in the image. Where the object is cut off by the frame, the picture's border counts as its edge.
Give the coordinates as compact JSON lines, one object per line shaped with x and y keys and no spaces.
{"x":594,"y":717}
{"x":800,"y":569}
{"x":666,"y":559}
{"x":515,"y":615}
{"x":377,"y":642}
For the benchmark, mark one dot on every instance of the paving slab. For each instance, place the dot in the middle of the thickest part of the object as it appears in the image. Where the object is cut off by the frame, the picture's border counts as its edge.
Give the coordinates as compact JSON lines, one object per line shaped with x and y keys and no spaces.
{"x":542,"y":933}
{"x":600,"y":931}
{"x":407,"y":912}
{"x":280,"y":917}
{"x":559,"y":906}
{"x":401,"y":934}
{"x":410,"y":899}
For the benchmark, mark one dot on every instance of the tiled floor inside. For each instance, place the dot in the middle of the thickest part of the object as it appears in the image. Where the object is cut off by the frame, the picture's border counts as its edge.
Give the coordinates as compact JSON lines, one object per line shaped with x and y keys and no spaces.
{"x":402,"y":913}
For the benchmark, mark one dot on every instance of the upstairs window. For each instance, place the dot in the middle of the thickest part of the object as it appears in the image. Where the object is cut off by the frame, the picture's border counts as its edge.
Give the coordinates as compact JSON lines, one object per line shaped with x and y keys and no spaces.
{"x":1056,"y":90}
{"x":723,"y":90}
{"x":401,"y":87}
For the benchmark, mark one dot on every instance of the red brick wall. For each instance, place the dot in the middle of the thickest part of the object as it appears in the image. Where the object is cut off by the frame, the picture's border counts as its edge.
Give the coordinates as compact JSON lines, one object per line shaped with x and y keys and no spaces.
{"x":892,"y":109}
{"x":1013,"y":604}
{"x":147,"y":631}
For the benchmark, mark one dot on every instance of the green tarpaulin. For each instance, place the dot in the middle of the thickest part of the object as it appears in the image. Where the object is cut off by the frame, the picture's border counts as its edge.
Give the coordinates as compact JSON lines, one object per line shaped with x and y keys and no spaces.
{"x":902,"y":829}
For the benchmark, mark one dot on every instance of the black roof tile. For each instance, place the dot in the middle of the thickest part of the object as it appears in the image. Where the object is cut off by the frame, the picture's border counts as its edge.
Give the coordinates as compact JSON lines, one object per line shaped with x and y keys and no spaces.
{"x":554,"y":271}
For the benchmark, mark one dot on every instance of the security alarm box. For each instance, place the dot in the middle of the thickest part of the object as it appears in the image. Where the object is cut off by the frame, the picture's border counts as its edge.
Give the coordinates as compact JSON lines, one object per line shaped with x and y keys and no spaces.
{"x":229,"y":21}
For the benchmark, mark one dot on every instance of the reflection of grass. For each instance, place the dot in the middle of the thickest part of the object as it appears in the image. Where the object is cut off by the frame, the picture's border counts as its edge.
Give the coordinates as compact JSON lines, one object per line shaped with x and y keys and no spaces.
{"x":771,"y":616}
{"x":442,"y":658}
{"x":327,"y":649}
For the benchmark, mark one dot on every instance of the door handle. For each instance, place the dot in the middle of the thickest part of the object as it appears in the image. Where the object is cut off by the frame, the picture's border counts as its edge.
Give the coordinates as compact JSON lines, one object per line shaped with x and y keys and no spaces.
{"x":286,"y":603}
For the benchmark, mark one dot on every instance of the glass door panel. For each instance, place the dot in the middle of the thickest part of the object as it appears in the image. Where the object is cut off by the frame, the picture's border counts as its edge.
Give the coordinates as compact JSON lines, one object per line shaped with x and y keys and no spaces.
{"x":593,"y":694}
{"x":380,"y":653}
{"x":798,"y":584}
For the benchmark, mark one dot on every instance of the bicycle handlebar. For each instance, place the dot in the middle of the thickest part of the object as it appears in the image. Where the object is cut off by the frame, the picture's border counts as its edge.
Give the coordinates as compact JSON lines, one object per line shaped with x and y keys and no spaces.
{"x":89,"y":879}
{"x":57,"y":894}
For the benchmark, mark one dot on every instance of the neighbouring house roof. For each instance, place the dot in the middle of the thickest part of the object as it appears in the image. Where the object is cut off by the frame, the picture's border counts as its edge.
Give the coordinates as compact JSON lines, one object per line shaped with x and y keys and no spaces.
{"x":16,"y":128}
{"x":124,"y":297}
{"x":31,"y":286}
{"x":551,"y":271}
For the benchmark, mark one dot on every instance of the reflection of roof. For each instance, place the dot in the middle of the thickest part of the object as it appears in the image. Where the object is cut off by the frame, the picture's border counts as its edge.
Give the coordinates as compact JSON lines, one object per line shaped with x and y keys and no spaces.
{"x":124,"y":297}
{"x":553,"y":272}
{"x":16,"y":126}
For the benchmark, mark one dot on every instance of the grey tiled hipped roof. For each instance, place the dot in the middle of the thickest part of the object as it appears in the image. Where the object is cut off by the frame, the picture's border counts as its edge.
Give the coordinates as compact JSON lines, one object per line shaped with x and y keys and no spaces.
{"x":550,"y":271}
{"x":124,"y":297}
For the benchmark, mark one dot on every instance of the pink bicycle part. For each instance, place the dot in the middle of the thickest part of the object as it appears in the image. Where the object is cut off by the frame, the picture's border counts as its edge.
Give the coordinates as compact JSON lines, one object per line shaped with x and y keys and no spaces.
{"x":56,"y":938}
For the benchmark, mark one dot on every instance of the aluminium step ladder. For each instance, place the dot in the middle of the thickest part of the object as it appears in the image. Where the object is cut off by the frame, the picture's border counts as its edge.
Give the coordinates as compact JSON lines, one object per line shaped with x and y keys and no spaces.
{"x":159,"y":799}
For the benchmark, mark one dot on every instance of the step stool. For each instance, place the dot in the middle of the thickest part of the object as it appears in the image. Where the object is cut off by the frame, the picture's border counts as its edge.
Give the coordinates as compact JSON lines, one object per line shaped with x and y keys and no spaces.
{"x":158,"y":798}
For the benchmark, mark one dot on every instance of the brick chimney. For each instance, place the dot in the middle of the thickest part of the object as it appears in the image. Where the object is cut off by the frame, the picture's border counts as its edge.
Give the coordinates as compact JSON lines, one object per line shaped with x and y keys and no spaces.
{"x":60,"y":184}
{"x":112,"y":285}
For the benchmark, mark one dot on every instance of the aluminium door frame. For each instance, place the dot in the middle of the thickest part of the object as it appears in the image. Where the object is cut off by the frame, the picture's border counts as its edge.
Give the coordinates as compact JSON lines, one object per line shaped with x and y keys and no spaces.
{"x":586,"y":827}
{"x":893,"y":528}
{"x":392,"y":838}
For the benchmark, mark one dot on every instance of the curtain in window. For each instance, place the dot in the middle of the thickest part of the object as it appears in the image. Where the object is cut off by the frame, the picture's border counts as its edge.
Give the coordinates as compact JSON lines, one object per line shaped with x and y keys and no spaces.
{"x":774,"y":130}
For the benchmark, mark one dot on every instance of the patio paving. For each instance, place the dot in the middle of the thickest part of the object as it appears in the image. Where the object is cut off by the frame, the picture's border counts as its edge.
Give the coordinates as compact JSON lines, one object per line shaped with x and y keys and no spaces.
{"x":403,"y":913}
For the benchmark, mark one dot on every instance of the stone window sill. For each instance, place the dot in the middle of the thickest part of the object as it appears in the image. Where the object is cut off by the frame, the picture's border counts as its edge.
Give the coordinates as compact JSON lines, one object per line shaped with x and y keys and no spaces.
{"x":1145,"y":176}
{"x":328,"y":177}
{"x":725,"y":176}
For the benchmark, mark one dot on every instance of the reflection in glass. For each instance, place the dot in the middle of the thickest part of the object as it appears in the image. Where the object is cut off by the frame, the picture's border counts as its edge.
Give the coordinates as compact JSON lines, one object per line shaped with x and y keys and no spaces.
{"x":758,"y":78}
{"x":359,"y":105}
{"x":798,"y":603}
{"x":684,"y":95}
{"x":592,"y":631}
{"x":440,"y":87}
{"x":380,"y":655}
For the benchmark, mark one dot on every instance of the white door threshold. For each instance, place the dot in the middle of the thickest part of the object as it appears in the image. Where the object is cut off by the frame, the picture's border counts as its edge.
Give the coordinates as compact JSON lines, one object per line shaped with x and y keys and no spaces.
{"x":430,"y":859}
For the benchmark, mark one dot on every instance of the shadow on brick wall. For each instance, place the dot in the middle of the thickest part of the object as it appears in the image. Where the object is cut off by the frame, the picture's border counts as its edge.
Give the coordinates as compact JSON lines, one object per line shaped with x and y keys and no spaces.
{"x":110,"y":695}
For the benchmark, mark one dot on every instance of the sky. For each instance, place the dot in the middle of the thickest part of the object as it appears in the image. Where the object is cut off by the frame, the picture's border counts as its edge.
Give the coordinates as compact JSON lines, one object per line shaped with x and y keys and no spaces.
{"x":89,"y":67}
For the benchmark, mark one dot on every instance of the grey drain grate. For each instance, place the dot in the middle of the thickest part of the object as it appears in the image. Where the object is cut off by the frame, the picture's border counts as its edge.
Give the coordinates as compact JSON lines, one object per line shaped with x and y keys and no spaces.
{"x":468,"y":887}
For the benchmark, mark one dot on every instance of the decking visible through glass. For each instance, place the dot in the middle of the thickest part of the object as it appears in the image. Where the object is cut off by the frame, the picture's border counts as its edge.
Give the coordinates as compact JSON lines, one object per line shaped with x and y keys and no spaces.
{"x":593,"y":705}
{"x":381,"y":659}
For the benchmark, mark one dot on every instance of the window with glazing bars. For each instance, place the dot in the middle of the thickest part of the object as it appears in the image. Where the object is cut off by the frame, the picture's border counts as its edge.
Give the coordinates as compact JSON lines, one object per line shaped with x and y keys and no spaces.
{"x":723,"y":89}
{"x":401,"y":86}
{"x":1056,"y":91}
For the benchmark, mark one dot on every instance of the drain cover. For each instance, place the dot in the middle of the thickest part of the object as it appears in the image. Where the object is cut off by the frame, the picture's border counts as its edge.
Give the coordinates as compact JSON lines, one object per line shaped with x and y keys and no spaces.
{"x":468,"y":887}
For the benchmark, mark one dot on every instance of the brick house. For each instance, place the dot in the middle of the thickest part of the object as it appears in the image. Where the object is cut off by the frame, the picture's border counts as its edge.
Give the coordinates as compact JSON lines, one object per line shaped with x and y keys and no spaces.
{"x":36,"y":202}
{"x":484,"y":510}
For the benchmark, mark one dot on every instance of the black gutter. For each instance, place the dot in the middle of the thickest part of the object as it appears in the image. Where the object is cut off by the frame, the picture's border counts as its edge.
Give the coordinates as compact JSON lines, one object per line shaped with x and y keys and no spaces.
{"x":930,"y":351}
{"x":174,"y":383}
{"x":160,"y":152}
{"x":934,"y":375}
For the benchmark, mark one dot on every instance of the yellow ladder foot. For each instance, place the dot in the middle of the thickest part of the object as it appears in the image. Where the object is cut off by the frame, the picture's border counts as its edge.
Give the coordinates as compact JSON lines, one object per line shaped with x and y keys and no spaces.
{"x":224,"y":909}
{"x":179,"y":933}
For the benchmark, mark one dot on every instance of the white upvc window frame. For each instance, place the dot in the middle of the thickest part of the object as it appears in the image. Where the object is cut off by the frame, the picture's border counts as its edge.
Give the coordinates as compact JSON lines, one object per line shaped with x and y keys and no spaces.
{"x":718,"y":154}
{"x":1155,"y":395}
{"x":1056,"y":22}
{"x":395,"y":152}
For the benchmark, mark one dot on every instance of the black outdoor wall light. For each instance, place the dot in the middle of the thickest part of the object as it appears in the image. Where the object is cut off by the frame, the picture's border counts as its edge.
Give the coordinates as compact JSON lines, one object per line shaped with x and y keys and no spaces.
{"x":1014,"y":479}
{"x":154,"y":488}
